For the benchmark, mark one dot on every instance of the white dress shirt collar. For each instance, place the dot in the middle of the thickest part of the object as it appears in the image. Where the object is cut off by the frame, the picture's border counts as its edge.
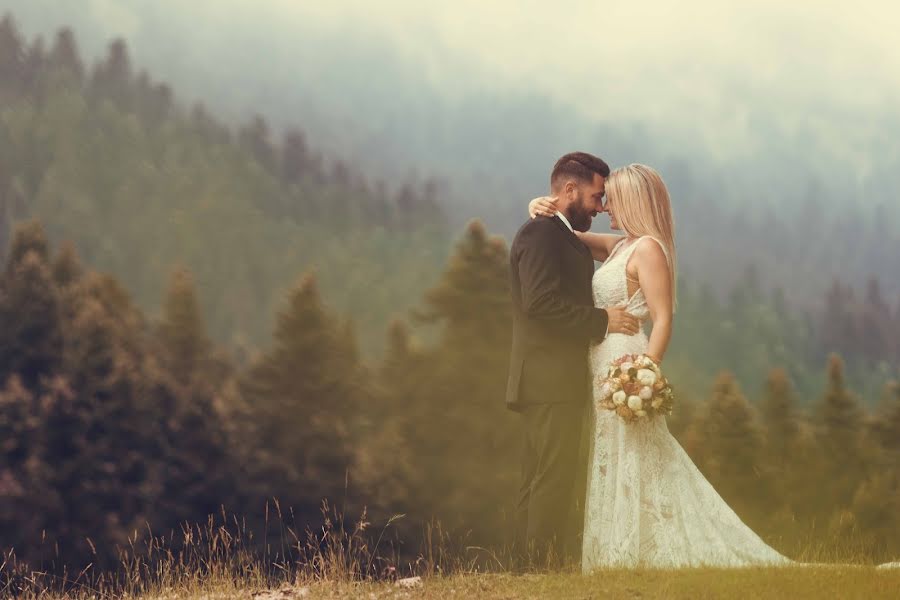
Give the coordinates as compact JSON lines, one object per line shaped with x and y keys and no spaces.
{"x":565,"y":220}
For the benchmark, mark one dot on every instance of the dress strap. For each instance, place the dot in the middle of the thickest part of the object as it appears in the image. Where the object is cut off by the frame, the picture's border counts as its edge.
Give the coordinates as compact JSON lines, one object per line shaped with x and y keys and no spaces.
{"x":627,"y":251}
{"x":634,"y":245}
{"x":630,"y":250}
{"x":615,"y":249}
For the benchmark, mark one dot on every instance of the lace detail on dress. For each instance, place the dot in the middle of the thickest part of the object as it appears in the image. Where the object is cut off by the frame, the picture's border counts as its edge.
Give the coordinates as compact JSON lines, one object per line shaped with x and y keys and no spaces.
{"x":647,"y":503}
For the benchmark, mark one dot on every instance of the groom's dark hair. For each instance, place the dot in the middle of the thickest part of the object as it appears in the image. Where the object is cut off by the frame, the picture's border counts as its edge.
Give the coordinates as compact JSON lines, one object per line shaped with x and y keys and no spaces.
{"x":580,"y":166}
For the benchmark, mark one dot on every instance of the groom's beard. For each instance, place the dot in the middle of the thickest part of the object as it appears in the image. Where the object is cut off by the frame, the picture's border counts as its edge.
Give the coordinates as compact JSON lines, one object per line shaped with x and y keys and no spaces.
{"x":579,"y":217}
{"x":581,"y":221}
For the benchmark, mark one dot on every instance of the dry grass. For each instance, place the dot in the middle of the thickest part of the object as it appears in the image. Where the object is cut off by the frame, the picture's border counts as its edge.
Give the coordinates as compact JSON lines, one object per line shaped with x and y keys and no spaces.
{"x":813,"y":583}
{"x":220,"y":561}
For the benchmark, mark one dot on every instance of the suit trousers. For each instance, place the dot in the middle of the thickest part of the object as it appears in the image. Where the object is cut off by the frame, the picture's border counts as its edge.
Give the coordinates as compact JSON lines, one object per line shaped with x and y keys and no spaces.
{"x":549,"y":507}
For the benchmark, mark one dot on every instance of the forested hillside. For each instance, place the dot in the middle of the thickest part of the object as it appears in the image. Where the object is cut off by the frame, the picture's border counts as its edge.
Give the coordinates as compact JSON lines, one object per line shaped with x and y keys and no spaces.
{"x":191,"y":319}
{"x":105,"y":156}
{"x":765,"y":176}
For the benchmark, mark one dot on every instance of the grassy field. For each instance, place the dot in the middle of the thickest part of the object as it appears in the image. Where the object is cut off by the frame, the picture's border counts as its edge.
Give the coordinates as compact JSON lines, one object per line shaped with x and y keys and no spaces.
{"x":339,"y":562}
{"x":813,"y":583}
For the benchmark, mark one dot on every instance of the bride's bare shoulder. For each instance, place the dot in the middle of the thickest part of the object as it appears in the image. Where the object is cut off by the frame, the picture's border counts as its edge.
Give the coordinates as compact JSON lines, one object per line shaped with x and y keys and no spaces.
{"x":649,"y":253}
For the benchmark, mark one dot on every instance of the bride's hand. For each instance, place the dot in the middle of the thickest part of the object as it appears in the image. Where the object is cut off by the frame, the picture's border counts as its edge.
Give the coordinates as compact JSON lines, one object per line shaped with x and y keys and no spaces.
{"x":544,"y":206}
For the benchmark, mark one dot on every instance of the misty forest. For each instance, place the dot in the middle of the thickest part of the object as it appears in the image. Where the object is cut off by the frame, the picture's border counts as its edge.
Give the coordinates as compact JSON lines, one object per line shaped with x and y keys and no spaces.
{"x":223,"y":298}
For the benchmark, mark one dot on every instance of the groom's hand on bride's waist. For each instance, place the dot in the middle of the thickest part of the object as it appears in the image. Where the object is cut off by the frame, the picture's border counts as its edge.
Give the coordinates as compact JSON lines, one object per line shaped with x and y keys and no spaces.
{"x":621,"y":321}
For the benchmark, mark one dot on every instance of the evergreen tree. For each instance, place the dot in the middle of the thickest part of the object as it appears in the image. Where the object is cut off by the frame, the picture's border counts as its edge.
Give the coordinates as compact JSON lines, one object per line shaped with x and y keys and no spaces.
{"x":256,"y":138}
{"x":886,"y":424}
{"x":193,"y":451}
{"x":102,"y":438}
{"x":840,"y":420}
{"x":29,"y":236}
{"x":67,"y":267}
{"x":154,"y":102}
{"x":31,"y":337}
{"x":12,"y":57}
{"x":789,"y":458}
{"x":64,"y":55}
{"x":729,"y":448}
{"x":779,"y":418}
{"x":112,"y":78}
{"x":303,"y":392}
{"x":34,"y":67}
{"x":839,"y":327}
{"x":27,"y":500}
{"x":297,"y":161}
{"x":470,"y":435}
{"x":875,"y":322}
{"x":388,"y":457}
{"x":182,"y":332}
{"x":840,"y":414}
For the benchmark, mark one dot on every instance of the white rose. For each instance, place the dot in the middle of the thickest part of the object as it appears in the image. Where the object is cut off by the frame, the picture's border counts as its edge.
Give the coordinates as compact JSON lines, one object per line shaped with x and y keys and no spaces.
{"x":646,"y":393}
{"x":657,"y":402}
{"x":646,"y":377}
{"x":634,"y":403}
{"x":619,"y":398}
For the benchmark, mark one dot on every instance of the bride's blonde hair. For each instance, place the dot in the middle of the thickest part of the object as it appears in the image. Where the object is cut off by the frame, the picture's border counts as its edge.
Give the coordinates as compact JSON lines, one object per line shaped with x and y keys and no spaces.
{"x":640,"y":199}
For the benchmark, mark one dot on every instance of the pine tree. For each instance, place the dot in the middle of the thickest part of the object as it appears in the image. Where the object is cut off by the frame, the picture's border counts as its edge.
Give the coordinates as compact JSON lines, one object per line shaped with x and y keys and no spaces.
{"x":29,"y":236}
{"x":788,"y":455}
{"x":28,"y":503}
{"x":839,"y":327}
{"x":182,"y":331}
{"x":104,"y":337}
{"x":102,"y":439}
{"x":194,"y":453}
{"x":154,"y":101}
{"x":779,"y":418}
{"x":31,"y":337}
{"x":840,"y":414}
{"x":12,"y":57}
{"x":64,"y":55}
{"x":470,"y":435}
{"x":729,"y":440}
{"x":296,"y":159}
{"x":472,"y":299}
{"x":203,"y":124}
{"x":886,"y":424}
{"x":389,"y":452}
{"x":34,"y":67}
{"x":256,"y":138}
{"x":875,"y":320}
{"x":302,"y":389}
{"x":112,"y":78}
{"x":876,"y":503}
{"x":840,"y":420}
{"x":67,"y":267}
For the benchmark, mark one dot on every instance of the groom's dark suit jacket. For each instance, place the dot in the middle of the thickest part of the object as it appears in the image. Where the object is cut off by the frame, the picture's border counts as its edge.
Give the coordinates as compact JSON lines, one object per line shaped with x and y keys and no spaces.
{"x":554,"y":317}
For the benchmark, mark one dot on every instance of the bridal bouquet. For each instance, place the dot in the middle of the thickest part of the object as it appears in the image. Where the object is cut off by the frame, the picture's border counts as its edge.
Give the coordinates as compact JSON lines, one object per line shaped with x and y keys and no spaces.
{"x":635,"y":388}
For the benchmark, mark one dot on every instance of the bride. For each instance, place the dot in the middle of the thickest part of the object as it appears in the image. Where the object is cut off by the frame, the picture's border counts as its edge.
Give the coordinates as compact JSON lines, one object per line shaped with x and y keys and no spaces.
{"x":647,"y":503}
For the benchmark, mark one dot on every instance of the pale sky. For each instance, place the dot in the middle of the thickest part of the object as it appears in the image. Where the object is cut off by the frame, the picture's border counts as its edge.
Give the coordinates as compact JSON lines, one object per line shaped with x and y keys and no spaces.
{"x":584,"y":49}
{"x":629,"y":57}
{"x":698,"y":69}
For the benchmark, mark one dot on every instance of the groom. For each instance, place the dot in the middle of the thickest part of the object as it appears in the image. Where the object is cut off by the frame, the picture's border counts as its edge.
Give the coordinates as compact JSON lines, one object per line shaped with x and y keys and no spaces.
{"x":554,"y":321}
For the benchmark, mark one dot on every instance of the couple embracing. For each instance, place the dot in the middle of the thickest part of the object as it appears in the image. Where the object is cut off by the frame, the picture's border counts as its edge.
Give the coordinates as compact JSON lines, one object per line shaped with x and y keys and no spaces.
{"x":618,"y":493}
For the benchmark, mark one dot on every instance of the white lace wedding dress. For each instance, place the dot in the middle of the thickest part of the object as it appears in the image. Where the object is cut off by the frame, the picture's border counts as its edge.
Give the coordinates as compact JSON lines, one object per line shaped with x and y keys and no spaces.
{"x":647,"y":504}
